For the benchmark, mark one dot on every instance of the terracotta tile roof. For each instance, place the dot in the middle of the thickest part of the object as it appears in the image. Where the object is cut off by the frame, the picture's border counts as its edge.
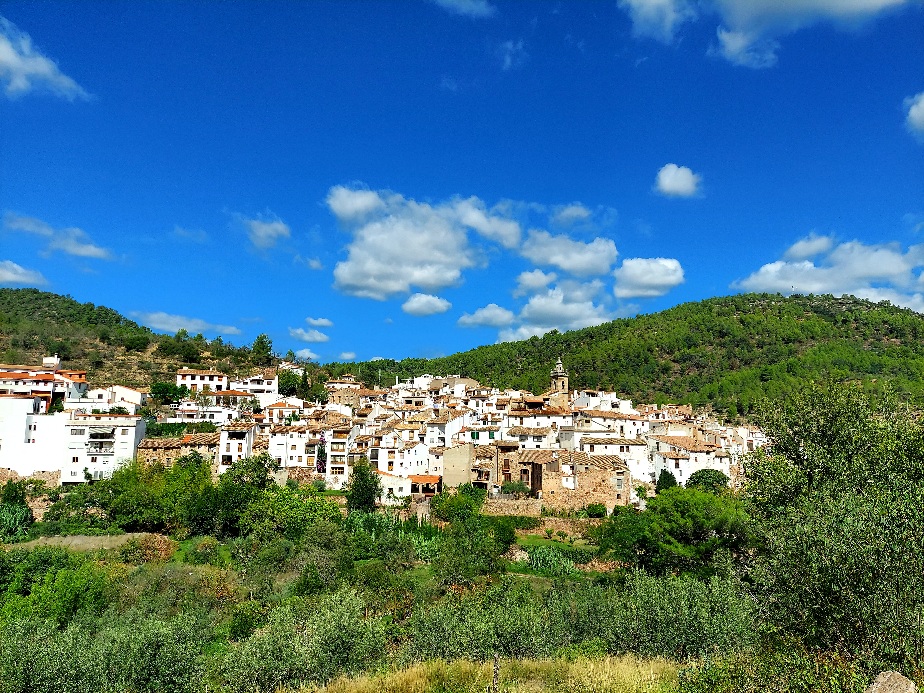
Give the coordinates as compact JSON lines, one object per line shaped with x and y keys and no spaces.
{"x":485,"y":452}
{"x":239,"y":426}
{"x":527,"y":431}
{"x":688,"y":443}
{"x":604,"y":414}
{"x":193,"y":371}
{"x":160,"y":444}
{"x":261,"y":443}
{"x":425,"y":478}
{"x":610,"y":462}
{"x":548,"y":456}
{"x":201,"y":438}
{"x":612,"y":441}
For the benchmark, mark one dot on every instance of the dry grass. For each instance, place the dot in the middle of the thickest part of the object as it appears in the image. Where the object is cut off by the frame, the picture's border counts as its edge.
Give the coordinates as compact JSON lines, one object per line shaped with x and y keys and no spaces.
{"x":607,"y":675}
{"x":80,"y":542}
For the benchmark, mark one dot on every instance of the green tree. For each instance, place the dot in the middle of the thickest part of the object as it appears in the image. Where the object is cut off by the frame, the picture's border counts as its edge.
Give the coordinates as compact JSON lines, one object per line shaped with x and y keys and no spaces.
{"x":681,"y":531}
{"x":288,"y":382}
{"x":261,"y":352}
{"x":837,"y":505}
{"x":666,"y":480}
{"x":364,"y":488}
{"x":710,"y":480}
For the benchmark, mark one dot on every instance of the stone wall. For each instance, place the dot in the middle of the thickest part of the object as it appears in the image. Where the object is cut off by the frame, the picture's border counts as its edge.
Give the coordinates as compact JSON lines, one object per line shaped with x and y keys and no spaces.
{"x":41,"y":504}
{"x":531,"y":507}
{"x":593,"y":486}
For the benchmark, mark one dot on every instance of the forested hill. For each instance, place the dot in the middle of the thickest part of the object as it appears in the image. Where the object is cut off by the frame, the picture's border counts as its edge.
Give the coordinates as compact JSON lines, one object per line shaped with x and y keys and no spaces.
{"x":729,"y":352}
{"x":112,"y":348}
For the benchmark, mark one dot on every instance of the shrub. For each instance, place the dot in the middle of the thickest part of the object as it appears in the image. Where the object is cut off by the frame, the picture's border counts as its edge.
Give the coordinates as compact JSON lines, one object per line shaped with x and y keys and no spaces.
{"x":150,"y":548}
{"x":301,"y":648}
{"x":596,"y":510}
{"x":549,"y":560}
{"x":204,"y":551}
{"x":515,"y":488}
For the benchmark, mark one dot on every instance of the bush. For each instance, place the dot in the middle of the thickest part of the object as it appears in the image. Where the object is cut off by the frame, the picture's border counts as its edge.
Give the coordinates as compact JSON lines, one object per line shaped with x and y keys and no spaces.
{"x":300,"y":647}
{"x":515,"y":488}
{"x":150,"y":548}
{"x":204,"y":551}
{"x":549,"y":560}
{"x":596,"y":510}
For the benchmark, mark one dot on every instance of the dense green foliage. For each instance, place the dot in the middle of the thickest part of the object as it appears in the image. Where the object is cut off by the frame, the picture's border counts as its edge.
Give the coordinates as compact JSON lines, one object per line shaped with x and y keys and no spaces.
{"x":184,"y":499}
{"x":682,"y":531}
{"x":727,"y":352}
{"x":364,"y":488}
{"x":33,"y":320}
{"x":111,"y":347}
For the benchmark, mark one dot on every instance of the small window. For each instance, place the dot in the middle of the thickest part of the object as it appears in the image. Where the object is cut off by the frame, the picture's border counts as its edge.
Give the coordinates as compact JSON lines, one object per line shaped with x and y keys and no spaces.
{"x":78,"y":431}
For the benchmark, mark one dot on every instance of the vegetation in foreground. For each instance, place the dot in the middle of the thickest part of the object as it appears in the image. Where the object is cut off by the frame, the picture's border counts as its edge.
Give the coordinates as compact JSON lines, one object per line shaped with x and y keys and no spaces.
{"x":810,"y":579}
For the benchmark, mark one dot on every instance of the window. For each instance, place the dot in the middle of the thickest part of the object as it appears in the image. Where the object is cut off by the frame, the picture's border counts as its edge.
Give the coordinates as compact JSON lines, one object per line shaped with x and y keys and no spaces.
{"x":78,"y":431}
{"x":491,"y":435}
{"x":73,"y":473}
{"x":74,"y":460}
{"x":240,"y":447}
{"x":474,"y":435}
{"x":124,"y":431}
{"x":591,"y":448}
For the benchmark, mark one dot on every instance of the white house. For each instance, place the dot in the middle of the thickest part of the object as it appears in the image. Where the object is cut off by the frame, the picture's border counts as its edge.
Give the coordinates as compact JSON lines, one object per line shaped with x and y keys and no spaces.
{"x":197,"y":380}
{"x":98,"y":444}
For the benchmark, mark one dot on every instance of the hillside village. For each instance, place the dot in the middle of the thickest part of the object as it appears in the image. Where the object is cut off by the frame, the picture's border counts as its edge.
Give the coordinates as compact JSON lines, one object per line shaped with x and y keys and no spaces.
{"x":570,"y":448}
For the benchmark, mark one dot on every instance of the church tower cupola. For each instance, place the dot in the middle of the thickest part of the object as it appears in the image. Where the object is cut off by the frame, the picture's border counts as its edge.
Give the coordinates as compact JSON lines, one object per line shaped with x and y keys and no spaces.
{"x":560,"y":377}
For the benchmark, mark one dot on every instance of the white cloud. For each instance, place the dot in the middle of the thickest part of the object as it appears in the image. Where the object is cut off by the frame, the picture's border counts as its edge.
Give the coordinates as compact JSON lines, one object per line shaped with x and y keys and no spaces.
{"x":477,"y":9}
{"x":658,"y":19}
{"x":878,"y":270}
{"x":23,"y":68}
{"x":746,"y":48}
{"x":347,"y":355}
{"x":11,"y":273}
{"x":556,"y":309}
{"x":264,"y":234}
{"x":425,"y":304}
{"x":72,"y":241}
{"x":306,"y":354}
{"x":569,"y":255}
{"x":319,"y":322}
{"x":174,"y":323}
{"x":491,"y":315}
{"x":399,"y":243}
{"x":311,"y":336}
{"x":533,"y":281}
{"x":569,"y":214}
{"x":749,"y":29}
{"x":194,"y":235}
{"x":513,"y":54}
{"x":350,"y":205}
{"x":639,"y":277}
{"x":914,"y":116}
{"x":809,"y":247}
{"x":677,"y":181}
{"x":312,"y":263}
{"x":473,"y":214}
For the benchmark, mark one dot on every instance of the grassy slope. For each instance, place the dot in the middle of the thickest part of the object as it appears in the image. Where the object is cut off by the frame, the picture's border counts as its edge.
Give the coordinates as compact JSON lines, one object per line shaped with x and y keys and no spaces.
{"x":112,"y":348}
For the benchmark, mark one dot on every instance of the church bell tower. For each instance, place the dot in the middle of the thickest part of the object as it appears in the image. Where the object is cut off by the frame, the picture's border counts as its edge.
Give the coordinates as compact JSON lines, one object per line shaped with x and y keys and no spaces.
{"x":560,"y":378}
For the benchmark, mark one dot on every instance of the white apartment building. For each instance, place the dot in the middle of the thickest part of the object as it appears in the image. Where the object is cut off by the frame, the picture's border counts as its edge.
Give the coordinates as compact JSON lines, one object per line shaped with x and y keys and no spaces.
{"x":97,"y":444}
{"x":197,"y":380}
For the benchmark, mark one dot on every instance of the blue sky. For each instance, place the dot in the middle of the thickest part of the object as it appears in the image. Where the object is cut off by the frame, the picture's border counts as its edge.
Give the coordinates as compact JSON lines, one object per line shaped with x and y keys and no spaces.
{"x":391,"y":179}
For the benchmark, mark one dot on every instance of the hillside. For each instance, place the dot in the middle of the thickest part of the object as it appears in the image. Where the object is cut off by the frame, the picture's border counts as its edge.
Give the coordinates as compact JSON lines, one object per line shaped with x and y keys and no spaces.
{"x":726,"y":352}
{"x":109,"y":346}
